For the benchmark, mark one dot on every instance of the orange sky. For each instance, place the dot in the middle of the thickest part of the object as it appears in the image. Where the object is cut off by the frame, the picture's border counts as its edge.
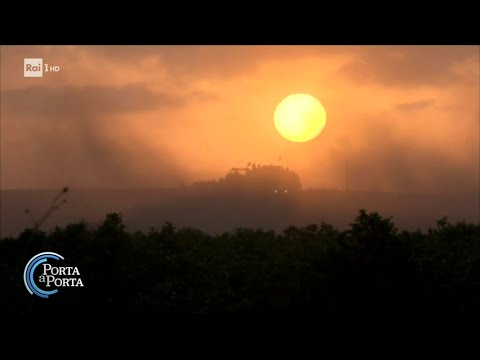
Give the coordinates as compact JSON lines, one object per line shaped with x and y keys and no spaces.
{"x":405,"y":118}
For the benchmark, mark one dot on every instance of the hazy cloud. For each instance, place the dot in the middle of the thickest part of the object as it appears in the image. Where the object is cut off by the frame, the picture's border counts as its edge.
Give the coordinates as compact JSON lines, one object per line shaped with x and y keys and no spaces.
{"x":415,"y":105}
{"x":69,"y":139}
{"x":390,"y":162}
{"x":211,"y":61}
{"x":138,"y":116}
{"x":68,"y":101}
{"x":409,"y":65}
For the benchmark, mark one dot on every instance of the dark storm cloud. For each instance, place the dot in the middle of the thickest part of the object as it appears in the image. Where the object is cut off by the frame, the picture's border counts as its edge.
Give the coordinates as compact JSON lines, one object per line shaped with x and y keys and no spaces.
{"x":72,"y":132}
{"x":409,"y":66}
{"x":415,"y":105}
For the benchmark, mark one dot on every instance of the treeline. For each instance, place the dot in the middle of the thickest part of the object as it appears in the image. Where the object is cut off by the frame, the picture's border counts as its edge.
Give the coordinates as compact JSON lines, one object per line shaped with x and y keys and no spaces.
{"x":369,"y":268}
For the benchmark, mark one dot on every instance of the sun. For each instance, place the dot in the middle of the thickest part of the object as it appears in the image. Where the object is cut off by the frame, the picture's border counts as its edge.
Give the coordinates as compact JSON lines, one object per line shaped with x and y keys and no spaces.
{"x":300,"y":117}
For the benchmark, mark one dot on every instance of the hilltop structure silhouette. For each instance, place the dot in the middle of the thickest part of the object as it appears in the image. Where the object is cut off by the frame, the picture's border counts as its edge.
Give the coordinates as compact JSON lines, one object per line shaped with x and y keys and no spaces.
{"x":256,"y":178}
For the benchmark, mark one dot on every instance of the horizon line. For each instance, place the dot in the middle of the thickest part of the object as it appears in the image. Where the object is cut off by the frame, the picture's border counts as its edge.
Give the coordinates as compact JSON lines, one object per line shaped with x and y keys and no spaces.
{"x":180,"y":187}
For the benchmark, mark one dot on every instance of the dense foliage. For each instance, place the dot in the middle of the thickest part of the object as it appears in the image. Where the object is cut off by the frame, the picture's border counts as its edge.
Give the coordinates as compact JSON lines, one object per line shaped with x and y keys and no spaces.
{"x":371,"y":267}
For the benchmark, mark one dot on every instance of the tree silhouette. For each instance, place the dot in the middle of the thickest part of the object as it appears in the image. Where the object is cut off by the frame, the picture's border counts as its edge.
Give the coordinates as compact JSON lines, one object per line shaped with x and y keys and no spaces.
{"x":370,"y":268}
{"x":56,"y":203}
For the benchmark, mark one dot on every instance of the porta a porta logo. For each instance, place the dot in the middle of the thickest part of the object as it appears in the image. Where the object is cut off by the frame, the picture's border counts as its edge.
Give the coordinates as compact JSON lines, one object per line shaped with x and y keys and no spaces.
{"x":49,"y":276}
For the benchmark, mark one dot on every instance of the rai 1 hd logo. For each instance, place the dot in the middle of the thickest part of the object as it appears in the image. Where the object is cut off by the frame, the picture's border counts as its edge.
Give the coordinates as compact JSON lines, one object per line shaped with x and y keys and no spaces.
{"x":44,"y":278}
{"x":35,"y":67}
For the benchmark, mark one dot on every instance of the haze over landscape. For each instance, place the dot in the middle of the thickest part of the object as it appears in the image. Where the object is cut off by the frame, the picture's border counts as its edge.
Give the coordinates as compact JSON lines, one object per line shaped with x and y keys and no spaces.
{"x":403,"y":119}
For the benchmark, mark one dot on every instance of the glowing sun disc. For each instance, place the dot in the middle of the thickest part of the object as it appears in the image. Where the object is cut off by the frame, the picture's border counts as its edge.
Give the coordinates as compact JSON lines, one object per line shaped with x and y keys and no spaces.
{"x":300,"y":117}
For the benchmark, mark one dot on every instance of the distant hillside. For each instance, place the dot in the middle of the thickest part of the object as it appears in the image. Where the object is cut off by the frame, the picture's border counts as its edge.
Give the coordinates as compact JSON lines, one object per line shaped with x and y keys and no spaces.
{"x":216,"y":211}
